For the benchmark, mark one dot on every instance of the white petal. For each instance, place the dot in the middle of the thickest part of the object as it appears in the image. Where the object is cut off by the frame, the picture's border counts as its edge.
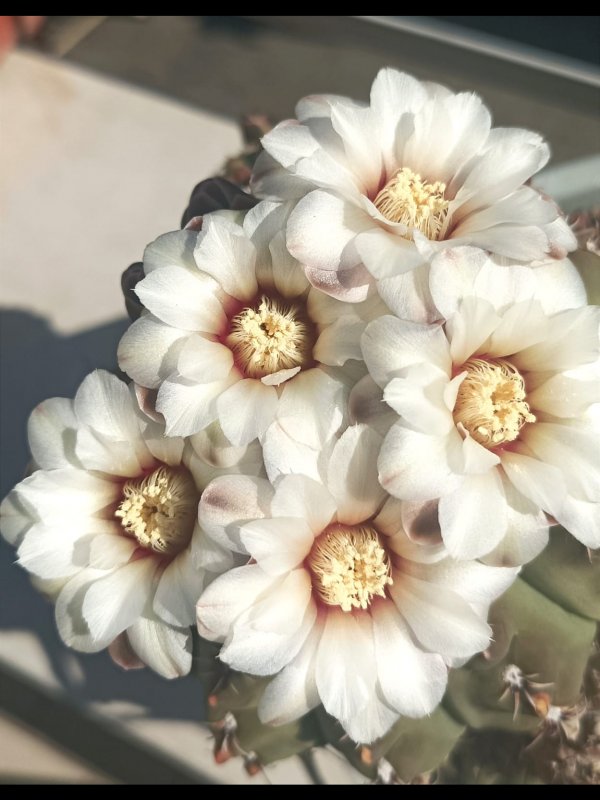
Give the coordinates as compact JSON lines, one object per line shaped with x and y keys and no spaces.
{"x":189,"y":407}
{"x":522,"y":325}
{"x":123,"y":654}
{"x":303,"y":498}
{"x":15,"y":518}
{"x":183,"y":299}
{"x":166,"y":650}
{"x":408,"y":296}
{"x":390,"y":344}
{"x":228,"y":256}
{"x":288,"y":275}
{"x":270,"y":180}
{"x":412,"y":681}
{"x":521,"y":242}
{"x":246,"y":409}
{"x":51,"y":430}
{"x":50,"y":552}
{"x":582,"y":520}
{"x":71,"y":623}
{"x":350,"y":284}
{"x":366,"y":404}
{"x":149,"y":349}
{"x":207,"y":555}
{"x":105,"y":404}
{"x":510,"y":158}
{"x":229,"y":501}
{"x":542,"y":483}
{"x":355,"y":126}
{"x":272,"y":631}
{"x":279,"y":544}
{"x":564,"y":396}
{"x":573,"y":340}
{"x":470,"y":327}
{"x":372,"y":723}
{"x":288,"y":142}
{"x":283,"y":455}
{"x":418,"y":397}
{"x":203,"y":360}
{"x":214,"y":449}
{"x":386,"y":254}
{"x":175,"y":249}
{"x":414,"y":466}
{"x":467,"y":271}
{"x":394,"y":97}
{"x":523,"y":207}
{"x":352,"y":475}
{"x":229,"y":596}
{"x":178,"y":591}
{"x":311,"y":407}
{"x":108,"y":550}
{"x":293,"y":692}
{"x":442,"y":621}
{"x":65,"y":494}
{"x":115,"y":602}
{"x":473,"y":517}
{"x":320,"y":229}
{"x":559,"y":286}
{"x":344,"y":667}
{"x":340,"y":341}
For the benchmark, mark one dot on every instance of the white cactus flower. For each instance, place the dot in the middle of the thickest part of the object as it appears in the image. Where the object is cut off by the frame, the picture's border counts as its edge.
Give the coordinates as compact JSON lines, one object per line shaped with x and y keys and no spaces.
{"x":109,"y":522}
{"x":336,"y":602}
{"x":379,"y":189}
{"x":233,"y":332}
{"x":494,"y":418}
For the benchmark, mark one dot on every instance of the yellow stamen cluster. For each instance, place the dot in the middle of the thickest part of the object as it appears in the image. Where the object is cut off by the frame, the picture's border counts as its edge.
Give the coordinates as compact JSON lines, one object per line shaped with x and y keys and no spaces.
{"x":160,"y":510}
{"x":349,"y":566}
{"x":413,"y":202}
{"x":270,"y":337}
{"x":491,"y":402}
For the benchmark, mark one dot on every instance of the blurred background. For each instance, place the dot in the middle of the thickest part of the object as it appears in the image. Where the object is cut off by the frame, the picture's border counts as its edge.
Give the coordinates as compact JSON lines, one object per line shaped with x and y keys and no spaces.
{"x":106,"y":124}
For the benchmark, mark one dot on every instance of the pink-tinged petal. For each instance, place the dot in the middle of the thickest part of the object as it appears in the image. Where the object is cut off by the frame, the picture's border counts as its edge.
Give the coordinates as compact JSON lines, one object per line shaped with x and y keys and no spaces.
{"x":165,"y":649}
{"x":301,"y":497}
{"x":123,"y":654}
{"x":279,"y":544}
{"x":228,"y":502}
{"x":203,"y":360}
{"x":113,"y":603}
{"x":229,"y":596}
{"x":414,"y":466}
{"x":246,"y":410}
{"x":293,"y":692}
{"x":470,"y":328}
{"x":442,"y":621}
{"x":149,"y":350}
{"x":51,"y":430}
{"x":473,"y":517}
{"x":350,"y":284}
{"x":311,"y":407}
{"x":572,"y":341}
{"x":227,"y":255}
{"x":189,"y":407}
{"x":412,"y":681}
{"x":561,"y":239}
{"x":352,"y":475}
{"x":270,"y":634}
{"x":321,"y":228}
{"x":390,"y":344}
{"x":183,"y":299}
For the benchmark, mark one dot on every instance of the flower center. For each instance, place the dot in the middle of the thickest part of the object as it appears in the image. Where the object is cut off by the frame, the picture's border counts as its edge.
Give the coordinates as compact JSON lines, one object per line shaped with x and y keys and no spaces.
{"x":491,"y":402}
{"x":349,"y":566}
{"x":415,"y":203}
{"x":160,"y":510}
{"x":272,"y":336}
